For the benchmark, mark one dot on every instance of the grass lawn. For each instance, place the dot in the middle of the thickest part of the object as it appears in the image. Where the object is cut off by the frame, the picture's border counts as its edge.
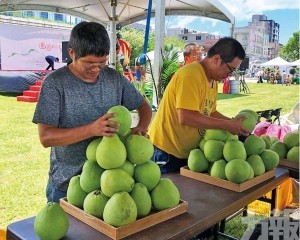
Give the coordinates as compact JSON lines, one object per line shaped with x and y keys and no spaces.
{"x":24,"y":162}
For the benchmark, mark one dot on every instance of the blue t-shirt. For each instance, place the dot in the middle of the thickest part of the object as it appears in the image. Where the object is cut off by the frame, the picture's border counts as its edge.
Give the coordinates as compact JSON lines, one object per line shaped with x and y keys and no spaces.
{"x":51,"y":57}
{"x":65,"y":101}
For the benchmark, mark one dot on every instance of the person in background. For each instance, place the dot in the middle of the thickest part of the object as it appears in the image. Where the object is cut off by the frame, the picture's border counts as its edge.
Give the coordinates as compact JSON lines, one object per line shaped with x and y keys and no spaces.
{"x":288,"y":80}
{"x":73,"y":104}
{"x":51,"y":60}
{"x":189,"y":106}
{"x":191,"y":53}
{"x":283,"y":77}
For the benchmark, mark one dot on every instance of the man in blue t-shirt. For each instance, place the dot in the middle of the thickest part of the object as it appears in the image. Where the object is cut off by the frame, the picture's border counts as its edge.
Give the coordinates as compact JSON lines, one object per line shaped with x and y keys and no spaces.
{"x":51,"y":59}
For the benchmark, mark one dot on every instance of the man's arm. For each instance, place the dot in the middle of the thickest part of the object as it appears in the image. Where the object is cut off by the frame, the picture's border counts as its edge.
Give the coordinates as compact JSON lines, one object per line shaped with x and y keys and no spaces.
{"x":197,"y":120}
{"x":145,"y":115}
{"x":53,"y":136}
{"x":219,"y":115}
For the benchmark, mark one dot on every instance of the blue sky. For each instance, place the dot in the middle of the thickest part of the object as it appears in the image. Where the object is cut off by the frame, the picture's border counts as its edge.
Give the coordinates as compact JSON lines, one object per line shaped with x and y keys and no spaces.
{"x":284,"y":12}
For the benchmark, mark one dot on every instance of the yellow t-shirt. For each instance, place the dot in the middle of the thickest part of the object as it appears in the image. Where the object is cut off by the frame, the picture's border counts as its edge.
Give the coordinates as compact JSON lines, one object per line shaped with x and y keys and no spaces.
{"x":189,"y":89}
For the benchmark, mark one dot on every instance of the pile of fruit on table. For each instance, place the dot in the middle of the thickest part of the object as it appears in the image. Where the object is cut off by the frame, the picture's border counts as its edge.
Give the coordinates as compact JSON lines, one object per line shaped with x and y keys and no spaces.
{"x":118,"y":183}
{"x":222,"y":155}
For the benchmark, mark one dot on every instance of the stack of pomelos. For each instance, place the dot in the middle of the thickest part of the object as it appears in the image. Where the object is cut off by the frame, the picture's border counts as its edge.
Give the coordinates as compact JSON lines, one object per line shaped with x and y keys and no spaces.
{"x":119,"y":183}
{"x":222,"y":155}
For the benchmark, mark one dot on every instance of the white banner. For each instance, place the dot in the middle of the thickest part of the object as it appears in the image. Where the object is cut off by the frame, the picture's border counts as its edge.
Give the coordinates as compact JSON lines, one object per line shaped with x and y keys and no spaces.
{"x":25,"y":47}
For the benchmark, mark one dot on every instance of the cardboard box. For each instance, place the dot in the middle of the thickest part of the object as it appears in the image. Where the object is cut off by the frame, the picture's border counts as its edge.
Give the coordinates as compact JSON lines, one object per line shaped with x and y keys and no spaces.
{"x":205,"y":177}
{"x":126,"y":230}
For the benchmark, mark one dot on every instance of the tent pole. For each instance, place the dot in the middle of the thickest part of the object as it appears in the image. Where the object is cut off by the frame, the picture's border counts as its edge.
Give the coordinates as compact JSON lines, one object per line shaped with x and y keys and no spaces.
{"x":159,"y":43}
{"x":113,"y":37}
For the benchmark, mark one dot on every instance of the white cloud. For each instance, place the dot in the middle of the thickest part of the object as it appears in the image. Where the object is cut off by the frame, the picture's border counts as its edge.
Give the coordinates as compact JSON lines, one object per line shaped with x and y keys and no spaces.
{"x":243,"y":10}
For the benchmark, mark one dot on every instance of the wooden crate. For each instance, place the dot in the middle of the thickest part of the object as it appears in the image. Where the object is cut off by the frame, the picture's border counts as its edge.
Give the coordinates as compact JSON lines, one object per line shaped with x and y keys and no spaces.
{"x":126,"y":230}
{"x":205,"y":177}
{"x":292,"y":165}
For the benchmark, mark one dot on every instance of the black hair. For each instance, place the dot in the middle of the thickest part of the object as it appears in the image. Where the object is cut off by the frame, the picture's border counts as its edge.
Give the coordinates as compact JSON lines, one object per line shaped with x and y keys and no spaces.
{"x":228,"y":48}
{"x":89,"y":38}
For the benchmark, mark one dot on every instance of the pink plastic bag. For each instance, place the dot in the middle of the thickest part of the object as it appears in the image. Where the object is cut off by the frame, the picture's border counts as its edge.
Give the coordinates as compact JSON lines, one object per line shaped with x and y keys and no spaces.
{"x":261,"y":128}
{"x":278,"y":131}
{"x":271,"y":130}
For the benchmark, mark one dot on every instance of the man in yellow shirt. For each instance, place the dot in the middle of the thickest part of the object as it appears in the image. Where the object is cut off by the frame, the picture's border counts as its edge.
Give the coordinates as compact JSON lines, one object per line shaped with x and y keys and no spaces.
{"x":189,"y":106}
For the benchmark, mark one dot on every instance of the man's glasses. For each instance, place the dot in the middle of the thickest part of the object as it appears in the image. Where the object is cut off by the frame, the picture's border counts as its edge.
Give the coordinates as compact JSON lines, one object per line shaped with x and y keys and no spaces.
{"x":92,"y":66}
{"x":231,"y":70}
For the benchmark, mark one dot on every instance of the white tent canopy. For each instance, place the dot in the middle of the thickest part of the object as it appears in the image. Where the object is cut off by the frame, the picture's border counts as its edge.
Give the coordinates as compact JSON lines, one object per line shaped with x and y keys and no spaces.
{"x":276,"y":62}
{"x":111,"y":12}
{"x":295,"y":63}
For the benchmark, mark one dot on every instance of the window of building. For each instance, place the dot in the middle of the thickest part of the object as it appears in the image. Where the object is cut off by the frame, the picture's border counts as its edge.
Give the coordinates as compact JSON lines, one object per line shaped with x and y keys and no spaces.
{"x":30,"y":14}
{"x":184,"y":38}
{"x":198,"y":37}
{"x":44,"y":15}
{"x":58,"y":17}
{"x":9,"y":14}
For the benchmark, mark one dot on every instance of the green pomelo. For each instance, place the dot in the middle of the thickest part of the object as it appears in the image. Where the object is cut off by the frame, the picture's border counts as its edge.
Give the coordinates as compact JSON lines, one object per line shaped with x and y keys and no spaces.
{"x":216,"y":134}
{"x":139,"y":149}
{"x":90,"y":176}
{"x":165,"y":195}
{"x":142,"y":199}
{"x":251,"y":171}
{"x":252,"y":112}
{"x":210,"y":166}
{"x":75,"y":194}
{"x":257,"y":164}
{"x":270,"y":159}
{"x":94,"y":203}
{"x":213,"y":150}
{"x":128,"y":167}
{"x":52,"y":222}
{"x":123,"y":116}
{"x":218,"y":169}
{"x":124,"y":138}
{"x":115,"y":180}
{"x":202,"y":143}
{"x":234,"y":149}
{"x":293,"y":154}
{"x":291,"y":139}
{"x":249,"y":122}
{"x":273,"y":140}
{"x":197,"y":162}
{"x":232,"y":137}
{"x":280,"y":148}
{"x":111,"y":152}
{"x":92,"y":149}
{"x":237,"y":171}
{"x":254,"y":145}
{"x":148,"y":174}
{"x":267,"y":140}
{"x":120,"y":210}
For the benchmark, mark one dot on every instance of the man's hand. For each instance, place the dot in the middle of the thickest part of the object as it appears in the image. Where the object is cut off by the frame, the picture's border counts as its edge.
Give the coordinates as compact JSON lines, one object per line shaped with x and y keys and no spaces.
{"x":105,"y":127}
{"x":237,"y":127}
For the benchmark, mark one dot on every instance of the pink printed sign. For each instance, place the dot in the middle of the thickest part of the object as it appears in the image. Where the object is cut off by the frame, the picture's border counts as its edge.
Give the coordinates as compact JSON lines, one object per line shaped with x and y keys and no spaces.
{"x":25,"y":47}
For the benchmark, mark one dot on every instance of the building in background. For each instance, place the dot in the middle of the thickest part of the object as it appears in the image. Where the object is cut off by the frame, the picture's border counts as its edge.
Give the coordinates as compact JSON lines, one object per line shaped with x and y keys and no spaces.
{"x":193,"y":36}
{"x":260,"y":38}
{"x":55,"y":18}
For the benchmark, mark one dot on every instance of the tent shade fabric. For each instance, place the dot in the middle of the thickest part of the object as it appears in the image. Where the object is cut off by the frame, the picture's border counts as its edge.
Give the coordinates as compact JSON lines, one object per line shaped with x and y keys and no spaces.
{"x":127,"y":11}
{"x":276,"y":62}
{"x":295,"y":63}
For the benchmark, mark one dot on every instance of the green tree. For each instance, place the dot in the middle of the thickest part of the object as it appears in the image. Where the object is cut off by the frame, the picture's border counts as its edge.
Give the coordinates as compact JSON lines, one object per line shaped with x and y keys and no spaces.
{"x":290,"y":51}
{"x":135,"y":39}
